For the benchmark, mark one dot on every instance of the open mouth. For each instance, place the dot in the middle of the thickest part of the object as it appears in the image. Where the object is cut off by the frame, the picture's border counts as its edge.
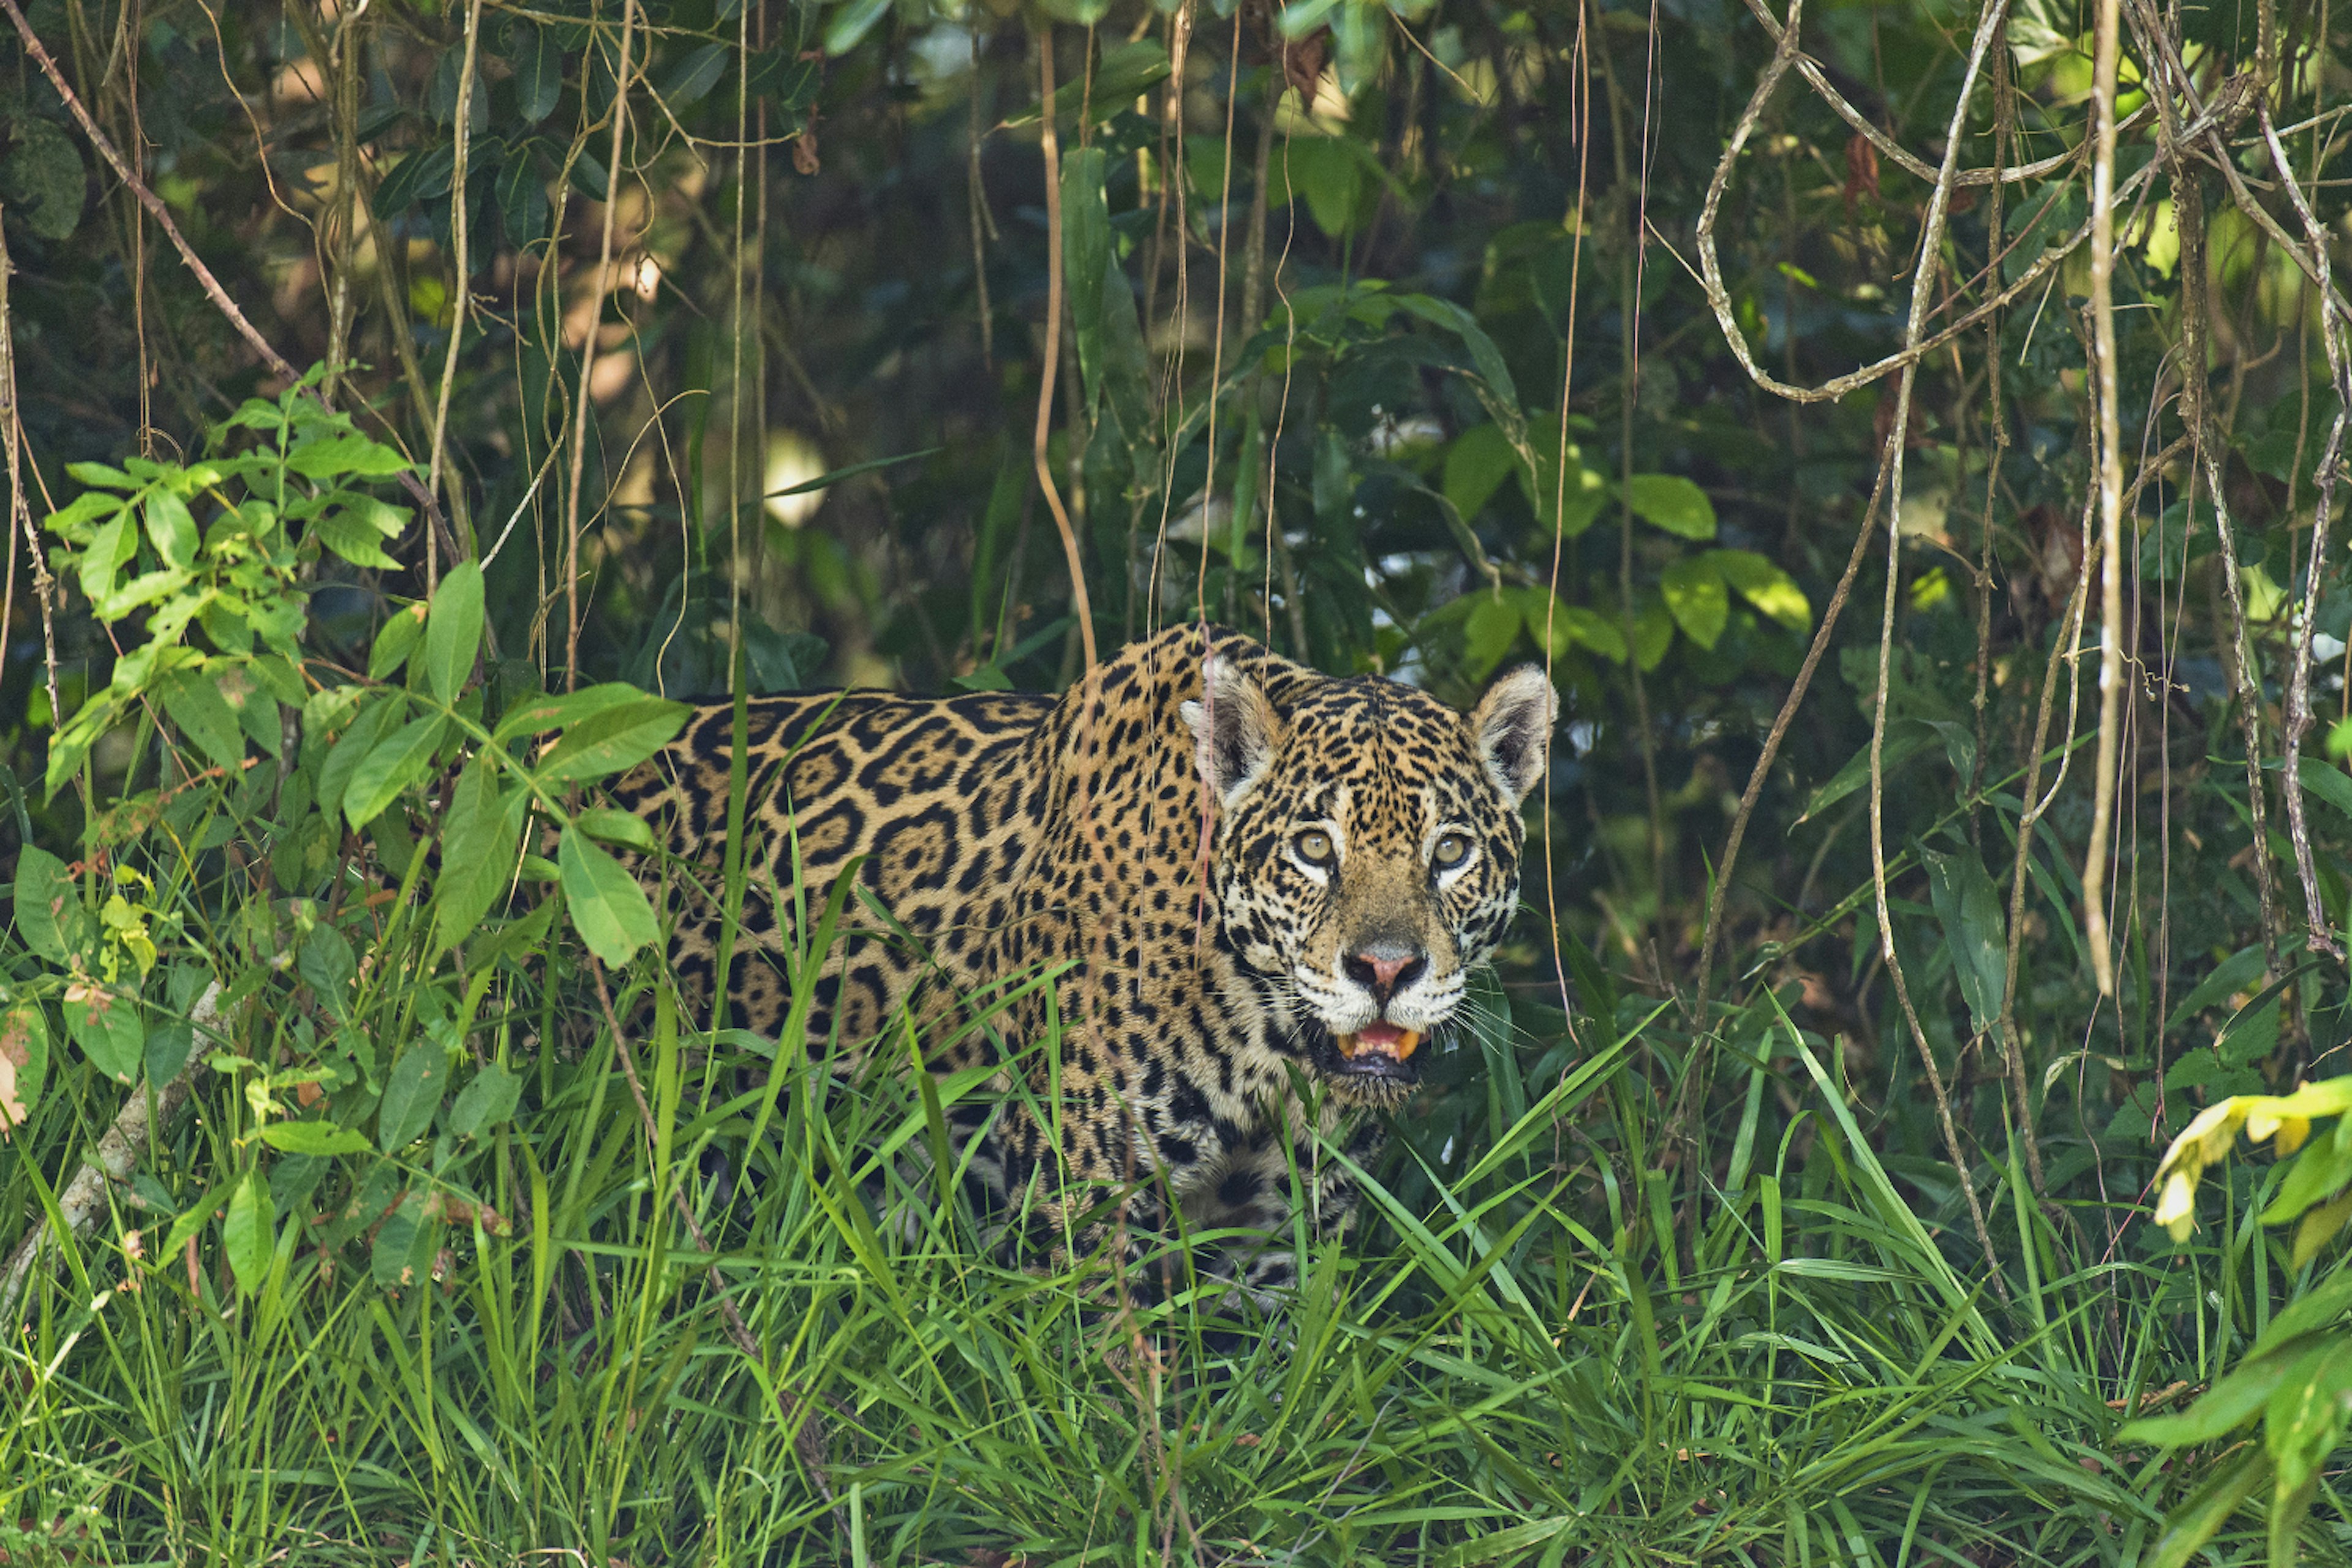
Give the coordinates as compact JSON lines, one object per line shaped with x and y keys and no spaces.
{"x":1378,"y":1053}
{"x":1377,"y":1041}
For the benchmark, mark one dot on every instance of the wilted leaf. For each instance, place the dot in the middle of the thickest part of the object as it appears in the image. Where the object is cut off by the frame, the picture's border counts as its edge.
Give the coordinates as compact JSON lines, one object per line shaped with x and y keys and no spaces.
{"x":107,"y":1028}
{"x":24,"y":1063}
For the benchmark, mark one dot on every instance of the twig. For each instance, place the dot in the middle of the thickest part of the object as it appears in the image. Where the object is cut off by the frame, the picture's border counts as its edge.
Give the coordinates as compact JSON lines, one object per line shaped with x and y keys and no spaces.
{"x":603,"y":287}
{"x":808,"y":1432}
{"x":2110,"y":476}
{"x":1902,"y":156}
{"x":1771,"y":752}
{"x":1050,"y":142}
{"x":20,"y":509}
{"x":82,"y":1199}
{"x":1924,"y":274}
{"x":2189,"y":197}
{"x":463,"y":299}
{"x":2298,"y":691}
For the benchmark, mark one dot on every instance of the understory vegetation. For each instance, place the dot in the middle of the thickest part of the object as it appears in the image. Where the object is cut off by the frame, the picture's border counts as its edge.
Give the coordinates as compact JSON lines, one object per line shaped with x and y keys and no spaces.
{"x":1909,"y":435}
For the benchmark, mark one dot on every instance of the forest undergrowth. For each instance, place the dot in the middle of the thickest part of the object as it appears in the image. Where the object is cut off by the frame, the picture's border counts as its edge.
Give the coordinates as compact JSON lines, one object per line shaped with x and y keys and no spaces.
{"x":1909,"y":435}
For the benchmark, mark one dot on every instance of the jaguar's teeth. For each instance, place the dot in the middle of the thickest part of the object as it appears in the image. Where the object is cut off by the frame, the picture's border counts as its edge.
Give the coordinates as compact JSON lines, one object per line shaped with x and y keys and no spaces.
{"x":1386,"y":1039}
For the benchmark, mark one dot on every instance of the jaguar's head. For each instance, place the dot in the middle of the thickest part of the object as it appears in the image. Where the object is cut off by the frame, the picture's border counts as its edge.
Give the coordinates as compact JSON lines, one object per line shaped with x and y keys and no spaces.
{"x":1367,"y":851}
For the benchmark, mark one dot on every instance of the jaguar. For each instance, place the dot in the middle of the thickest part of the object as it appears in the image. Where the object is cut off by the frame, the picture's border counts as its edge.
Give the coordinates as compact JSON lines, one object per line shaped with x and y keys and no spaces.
{"x":1233,"y":895}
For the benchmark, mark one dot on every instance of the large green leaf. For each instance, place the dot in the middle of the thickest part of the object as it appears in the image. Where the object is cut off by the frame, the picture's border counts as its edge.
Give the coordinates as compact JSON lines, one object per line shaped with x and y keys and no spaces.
{"x":607,"y":906}
{"x":478,"y":843}
{"x":411,"y":1093}
{"x":1671,"y":502}
{"x":453,"y":631}
{"x":313,"y":1138}
{"x":250,"y":1233}
{"x":541,"y":714}
{"x":192,"y":701}
{"x":50,"y":914}
{"x":396,"y":761}
{"x":1695,"y":597}
{"x":614,"y":740}
{"x":1976,"y":931}
{"x":1765,"y":586}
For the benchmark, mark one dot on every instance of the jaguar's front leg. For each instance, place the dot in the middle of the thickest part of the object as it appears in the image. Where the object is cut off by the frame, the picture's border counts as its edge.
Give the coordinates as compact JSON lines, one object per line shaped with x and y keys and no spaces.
{"x":1272,"y":1194}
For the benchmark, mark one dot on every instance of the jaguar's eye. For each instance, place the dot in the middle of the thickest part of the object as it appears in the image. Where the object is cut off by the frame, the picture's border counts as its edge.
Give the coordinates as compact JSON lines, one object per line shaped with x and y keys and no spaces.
{"x":1315,"y":846}
{"x":1451,"y":850}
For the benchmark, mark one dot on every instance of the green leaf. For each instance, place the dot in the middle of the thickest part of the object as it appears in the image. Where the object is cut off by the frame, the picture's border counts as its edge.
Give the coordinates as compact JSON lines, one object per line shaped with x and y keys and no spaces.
{"x":171,"y":528}
{"x":541,"y":714}
{"x":411,"y":1093}
{"x":396,"y":763}
{"x":1906,"y":738}
{"x":615,"y":739}
{"x":397,"y":642}
{"x":107,"y":1028}
{"x":250,"y":1233}
{"x":24,"y":1063}
{"x":521,"y":191}
{"x":1493,"y":626}
{"x":537,"y":71}
{"x":477,"y":853}
{"x":453,"y":631}
{"x":1671,"y":502}
{"x":1770,"y":590}
{"x":317,"y":1139}
{"x":1695,"y":597}
{"x":2229,"y":1405}
{"x":1086,"y":252}
{"x":1122,"y":75}
{"x":50,"y":914}
{"x":608,"y":907}
{"x":692,"y":79}
{"x":357,"y":528}
{"x":1653,"y":632}
{"x":348,"y":453}
{"x":352,"y":747}
{"x":2237,"y":972}
{"x":1573,"y":625}
{"x":328,"y":968}
{"x":1976,"y":932}
{"x":192,"y":701}
{"x":2321,"y":1308}
{"x":486,"y":1103}
{"x":43,"y":181}
{"x":2208,"y":1509}
{"x":2306,"y":1418}
{"x":1476,"y":464}
{"x":110,"y":547}
{"x":626,"y":828}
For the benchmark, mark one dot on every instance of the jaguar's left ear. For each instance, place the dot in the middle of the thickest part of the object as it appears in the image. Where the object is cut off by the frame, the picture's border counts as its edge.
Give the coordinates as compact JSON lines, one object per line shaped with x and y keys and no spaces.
{"x":1512,"y":728}
{"x":1235,"y":730}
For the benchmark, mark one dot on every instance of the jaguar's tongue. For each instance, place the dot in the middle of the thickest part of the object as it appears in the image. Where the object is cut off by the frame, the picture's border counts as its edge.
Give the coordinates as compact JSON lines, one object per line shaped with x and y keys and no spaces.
{"x":1383,"y":1038}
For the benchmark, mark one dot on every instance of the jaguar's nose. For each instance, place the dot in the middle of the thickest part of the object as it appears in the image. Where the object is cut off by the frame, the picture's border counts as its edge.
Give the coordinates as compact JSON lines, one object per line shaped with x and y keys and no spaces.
{"x":1385,"y":968}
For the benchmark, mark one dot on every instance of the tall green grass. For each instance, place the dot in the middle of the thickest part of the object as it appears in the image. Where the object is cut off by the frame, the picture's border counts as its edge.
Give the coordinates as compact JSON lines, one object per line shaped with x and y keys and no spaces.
{"x":1537,"y":1348}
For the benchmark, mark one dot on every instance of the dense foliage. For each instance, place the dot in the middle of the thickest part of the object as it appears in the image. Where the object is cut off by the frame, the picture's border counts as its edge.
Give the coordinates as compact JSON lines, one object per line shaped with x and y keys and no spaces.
{"x":1783,"y":1197}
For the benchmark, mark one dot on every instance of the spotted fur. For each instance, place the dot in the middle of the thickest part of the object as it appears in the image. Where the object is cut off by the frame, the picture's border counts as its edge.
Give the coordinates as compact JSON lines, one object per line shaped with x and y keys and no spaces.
{"x":1144,"y":837}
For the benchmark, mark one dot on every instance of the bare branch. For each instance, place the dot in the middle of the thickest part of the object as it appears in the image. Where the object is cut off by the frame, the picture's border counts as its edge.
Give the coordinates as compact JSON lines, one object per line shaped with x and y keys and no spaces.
{"x":2109,"y":474}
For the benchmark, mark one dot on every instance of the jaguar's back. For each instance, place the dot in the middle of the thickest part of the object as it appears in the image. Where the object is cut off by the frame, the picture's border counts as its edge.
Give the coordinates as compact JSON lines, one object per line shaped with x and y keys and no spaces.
{"x":938,"y":799}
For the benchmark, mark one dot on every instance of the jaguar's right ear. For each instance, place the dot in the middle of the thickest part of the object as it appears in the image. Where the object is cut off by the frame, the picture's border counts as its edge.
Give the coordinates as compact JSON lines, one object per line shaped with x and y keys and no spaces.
{"x":1234,"y":730}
